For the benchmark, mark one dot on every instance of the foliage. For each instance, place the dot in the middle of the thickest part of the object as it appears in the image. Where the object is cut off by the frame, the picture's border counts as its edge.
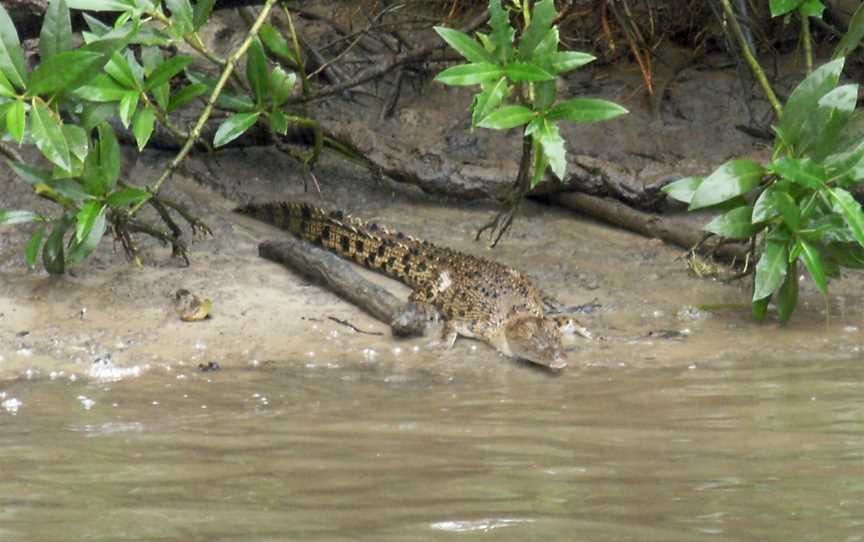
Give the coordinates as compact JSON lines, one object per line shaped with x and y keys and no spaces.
{"x":798,"y":208}
{"x":518,"y":80}
{"x":63,"y":106}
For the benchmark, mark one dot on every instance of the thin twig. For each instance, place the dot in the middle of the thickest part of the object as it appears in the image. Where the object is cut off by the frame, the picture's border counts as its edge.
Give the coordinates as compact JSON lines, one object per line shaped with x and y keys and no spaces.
{"x":751,"y":60}
{"x":388,"y":65}
{"x":808,"y":43}
{"x":348,"y":324}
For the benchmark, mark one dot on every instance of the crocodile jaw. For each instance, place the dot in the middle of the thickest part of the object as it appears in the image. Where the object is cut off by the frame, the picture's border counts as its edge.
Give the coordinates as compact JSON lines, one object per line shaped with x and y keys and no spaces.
{"x":533,"y":338}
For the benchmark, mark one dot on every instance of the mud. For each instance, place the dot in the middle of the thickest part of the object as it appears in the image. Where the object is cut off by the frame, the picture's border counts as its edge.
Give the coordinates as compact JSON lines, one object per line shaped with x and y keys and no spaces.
{"x":264,"y":313}
{"x":648,"y":301}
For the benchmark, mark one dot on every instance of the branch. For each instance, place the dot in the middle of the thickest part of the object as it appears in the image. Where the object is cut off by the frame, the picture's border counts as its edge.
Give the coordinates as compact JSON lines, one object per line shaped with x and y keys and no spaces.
{"x":390,"y":63}
{"x":211,"y":101}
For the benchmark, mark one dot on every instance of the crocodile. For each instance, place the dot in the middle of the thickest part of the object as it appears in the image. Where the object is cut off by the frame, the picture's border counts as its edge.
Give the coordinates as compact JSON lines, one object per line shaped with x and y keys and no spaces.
{"x":477,"y":298}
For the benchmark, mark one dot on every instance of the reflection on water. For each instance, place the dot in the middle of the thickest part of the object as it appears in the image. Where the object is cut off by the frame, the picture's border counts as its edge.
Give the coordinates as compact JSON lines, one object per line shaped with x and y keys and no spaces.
{"x":730,"y":451}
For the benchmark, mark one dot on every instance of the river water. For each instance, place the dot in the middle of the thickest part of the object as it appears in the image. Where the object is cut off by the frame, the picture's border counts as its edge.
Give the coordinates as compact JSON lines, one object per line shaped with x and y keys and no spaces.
{"x":723,"y":450}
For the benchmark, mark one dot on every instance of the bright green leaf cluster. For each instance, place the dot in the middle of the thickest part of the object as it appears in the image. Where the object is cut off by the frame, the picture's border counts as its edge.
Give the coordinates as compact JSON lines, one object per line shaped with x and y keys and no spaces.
{"x":62,"y":106}
{"x":798,"y":206}
{"x":518,"y":82}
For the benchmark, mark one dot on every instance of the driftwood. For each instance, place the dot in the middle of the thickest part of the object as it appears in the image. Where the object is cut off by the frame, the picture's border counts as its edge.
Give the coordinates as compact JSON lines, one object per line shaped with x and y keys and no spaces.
{"x":339,"y":276}
{"x":671,"y":229}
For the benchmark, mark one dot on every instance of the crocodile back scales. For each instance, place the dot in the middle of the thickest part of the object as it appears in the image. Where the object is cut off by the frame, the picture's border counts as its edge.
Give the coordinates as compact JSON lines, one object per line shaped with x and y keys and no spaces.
{"x":474,"y":290}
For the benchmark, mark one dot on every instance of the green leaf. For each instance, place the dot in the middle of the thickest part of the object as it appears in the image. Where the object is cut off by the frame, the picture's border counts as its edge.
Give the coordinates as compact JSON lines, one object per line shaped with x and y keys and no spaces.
{"x":507,"y":117}
{"x":541,"y":162}
{"x":166,"y":70}
{"x":277,"y":43}
{"x":185,"y":95}
{"x":788,"y":209}
{"x":683,"y":189}
{"x":811,"y":8}
{"x":281,"y":85}
{"x":12,"y":216}
{"x":826,"y":123}
{"x":585,"y":110}
{"x":86,"y":218}
{"x":782,"y":7}
{"x":56,"y":34}
{"x":151,"y":58}
{"x":77,"y":139}
{"x":735,"y":224}
{"x":846,"y":205}
{"x":734,"y":178}
{"x":120,"y":68}
{"x":565,"y":61}
{"x":201,"y":12}
{"x":31,"y":251}
{"x":542,"y":16}
{"x":278,"y":121}
{"x":67,"y":188}
{"x":760,"y":308}
{"x":97,"y":27}
{"x":849,"y":255}
{"x":843,"y":163}
{"x":127,"y":196}
{"x":502,"y":32}
{"x":142,"y":126}
{"x":765,"y":207}
{"x":464,"y":44}
{"x":11,"y":56}
{"x":48,"y":135}
{"x":109,"y":157}
{"x":805,"y":98}
{"x":552,"y":145}
{"x":547,"y":47}
{"x":87,"y":237}
{"x":256,"y":71}
{"x":6,"y":88}
{"x":29,"y":174}
{"x":101,"y":88}
{"x":16,"y":121}
{"x":804,"y":171}
{"x":52,"y":254}
{"x":128,"y":106}
{"x":487,"y":101}
{"x":95,"y":113}
{"x":813,"y":261}
{"x":771,"y":269}
{"x":470,"y":74}
{"x":233,"y":127}
{"x":181,"y":15}
{"x":522,"y":71}
{"x":853,"y":36}
{"x":787,"y":296}
{"x":545,"y":93}
{"x":64,"y":71}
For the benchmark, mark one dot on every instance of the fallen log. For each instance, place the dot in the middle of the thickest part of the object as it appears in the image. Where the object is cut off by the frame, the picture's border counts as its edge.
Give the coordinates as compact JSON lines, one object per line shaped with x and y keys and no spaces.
{"x":339,"y":276}
{"x":675,"y":230}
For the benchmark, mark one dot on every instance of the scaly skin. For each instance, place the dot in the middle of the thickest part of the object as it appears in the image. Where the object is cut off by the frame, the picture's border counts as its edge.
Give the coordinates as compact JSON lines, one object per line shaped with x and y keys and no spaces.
{"x":478,"y":298}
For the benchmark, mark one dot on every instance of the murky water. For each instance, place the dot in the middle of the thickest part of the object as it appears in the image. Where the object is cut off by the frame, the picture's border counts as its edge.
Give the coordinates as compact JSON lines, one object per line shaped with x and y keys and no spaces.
{"x":749,"y":450}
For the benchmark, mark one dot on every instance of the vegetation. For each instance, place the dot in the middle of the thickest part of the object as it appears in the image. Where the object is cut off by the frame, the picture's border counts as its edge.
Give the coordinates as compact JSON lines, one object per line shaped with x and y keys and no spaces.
{"x":64,"y":106}
{"x":518,"y":79}
{"x":797,"y":209}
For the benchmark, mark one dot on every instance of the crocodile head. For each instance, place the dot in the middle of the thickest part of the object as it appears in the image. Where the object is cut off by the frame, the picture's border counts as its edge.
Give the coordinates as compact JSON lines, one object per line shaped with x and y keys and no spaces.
{"x":536,"y":339}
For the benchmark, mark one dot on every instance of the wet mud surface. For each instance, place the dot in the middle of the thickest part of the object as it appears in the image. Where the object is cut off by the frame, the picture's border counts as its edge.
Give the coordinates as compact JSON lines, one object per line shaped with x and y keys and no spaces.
{"x":652,"y":310}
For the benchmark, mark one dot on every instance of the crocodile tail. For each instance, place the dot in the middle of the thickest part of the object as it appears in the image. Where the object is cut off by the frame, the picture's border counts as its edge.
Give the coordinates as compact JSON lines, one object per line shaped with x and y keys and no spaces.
{"x":367,"y":244}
